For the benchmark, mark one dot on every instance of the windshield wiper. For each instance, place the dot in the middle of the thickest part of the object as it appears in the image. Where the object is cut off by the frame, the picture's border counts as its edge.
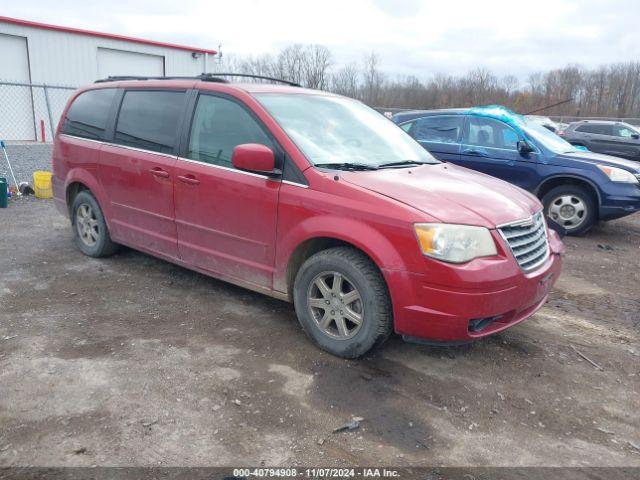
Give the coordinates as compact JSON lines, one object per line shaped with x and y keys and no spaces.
{"x":403,"y":163}
{"x":346,"y":166}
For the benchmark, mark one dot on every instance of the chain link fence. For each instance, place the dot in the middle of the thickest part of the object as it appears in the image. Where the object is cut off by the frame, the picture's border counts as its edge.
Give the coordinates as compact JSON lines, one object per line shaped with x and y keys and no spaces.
{"x":29,"y":111}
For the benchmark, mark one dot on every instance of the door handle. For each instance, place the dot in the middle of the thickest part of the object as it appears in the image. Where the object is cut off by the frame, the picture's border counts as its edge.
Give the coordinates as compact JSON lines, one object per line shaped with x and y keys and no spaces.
{"x":472,"y":151}
{"x":158,"y":172}
{"x":189,"y":179}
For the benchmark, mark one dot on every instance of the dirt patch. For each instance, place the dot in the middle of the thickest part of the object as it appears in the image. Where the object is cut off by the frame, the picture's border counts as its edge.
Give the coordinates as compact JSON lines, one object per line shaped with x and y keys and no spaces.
{"x":134,"y":361}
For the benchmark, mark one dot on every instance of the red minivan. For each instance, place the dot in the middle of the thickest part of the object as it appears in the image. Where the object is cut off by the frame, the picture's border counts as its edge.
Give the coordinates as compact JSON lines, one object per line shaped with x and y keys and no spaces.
{"x":306,"y":196}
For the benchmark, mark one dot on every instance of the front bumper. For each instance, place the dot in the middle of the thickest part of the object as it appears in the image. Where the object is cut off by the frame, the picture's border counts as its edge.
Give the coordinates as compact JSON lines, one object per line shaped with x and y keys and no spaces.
{"x":618,"y":203}
{"x":468,"y":311}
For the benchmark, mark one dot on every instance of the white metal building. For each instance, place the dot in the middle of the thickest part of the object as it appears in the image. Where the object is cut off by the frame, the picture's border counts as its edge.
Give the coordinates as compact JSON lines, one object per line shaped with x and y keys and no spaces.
{"x":40,"y":54}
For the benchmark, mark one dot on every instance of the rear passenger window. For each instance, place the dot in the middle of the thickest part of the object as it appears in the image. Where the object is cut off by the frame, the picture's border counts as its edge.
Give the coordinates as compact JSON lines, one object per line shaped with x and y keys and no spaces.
{"x":149,"y":120}
{"x":597,"y":128}
{"x":88,"y":114}
{"x":219,"y":125}
{"x":443,"y":129}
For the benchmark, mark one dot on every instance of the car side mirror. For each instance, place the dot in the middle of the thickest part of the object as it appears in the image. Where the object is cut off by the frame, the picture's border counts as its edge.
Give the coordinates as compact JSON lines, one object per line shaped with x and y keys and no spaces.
{"x":635,"y":136}
{"x":523,"y":147}
{"x":255,"y":158}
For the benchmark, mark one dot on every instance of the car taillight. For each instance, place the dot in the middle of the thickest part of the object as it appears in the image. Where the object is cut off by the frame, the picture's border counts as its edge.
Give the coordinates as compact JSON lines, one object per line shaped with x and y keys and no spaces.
{"x":561,"y":132}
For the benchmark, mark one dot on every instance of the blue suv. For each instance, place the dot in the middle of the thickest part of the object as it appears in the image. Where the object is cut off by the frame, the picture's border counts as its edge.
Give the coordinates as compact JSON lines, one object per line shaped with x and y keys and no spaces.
{"x":577,"y":187}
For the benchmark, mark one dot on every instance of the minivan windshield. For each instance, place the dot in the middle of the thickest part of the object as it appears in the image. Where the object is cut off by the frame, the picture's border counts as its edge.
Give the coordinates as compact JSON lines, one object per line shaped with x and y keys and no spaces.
{"x":547,"y":138}
{"x":335,"y":131}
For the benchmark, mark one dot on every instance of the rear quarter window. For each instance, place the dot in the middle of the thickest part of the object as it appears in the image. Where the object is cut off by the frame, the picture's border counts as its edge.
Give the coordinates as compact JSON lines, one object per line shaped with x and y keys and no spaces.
{"x":87,"y":117}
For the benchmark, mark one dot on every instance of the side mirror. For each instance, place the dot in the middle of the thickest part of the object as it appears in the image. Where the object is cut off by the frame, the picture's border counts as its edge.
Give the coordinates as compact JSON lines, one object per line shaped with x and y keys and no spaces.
{"x":523,"y":147}
{"x":635,"y":136}
{"x":256,"y":158}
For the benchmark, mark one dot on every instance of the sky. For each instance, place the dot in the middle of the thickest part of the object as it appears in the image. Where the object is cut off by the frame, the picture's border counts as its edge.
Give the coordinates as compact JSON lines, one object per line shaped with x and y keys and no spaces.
{"x":411,"y":37}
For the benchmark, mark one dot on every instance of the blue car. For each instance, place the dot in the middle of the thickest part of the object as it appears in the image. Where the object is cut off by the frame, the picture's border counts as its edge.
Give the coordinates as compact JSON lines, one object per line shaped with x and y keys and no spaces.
{"x":577,"y":187}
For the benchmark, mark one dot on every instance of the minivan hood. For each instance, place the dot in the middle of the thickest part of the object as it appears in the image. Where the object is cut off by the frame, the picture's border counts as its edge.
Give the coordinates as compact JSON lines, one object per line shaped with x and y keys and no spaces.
{"x":601,"y":158}
{"x":450,"y":193}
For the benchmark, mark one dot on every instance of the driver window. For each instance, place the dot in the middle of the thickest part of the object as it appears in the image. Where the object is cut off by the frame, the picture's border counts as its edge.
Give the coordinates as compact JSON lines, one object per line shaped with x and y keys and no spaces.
{"x":487,"y":132}
{"x":622,"y":131}
{"x":219,"y":125}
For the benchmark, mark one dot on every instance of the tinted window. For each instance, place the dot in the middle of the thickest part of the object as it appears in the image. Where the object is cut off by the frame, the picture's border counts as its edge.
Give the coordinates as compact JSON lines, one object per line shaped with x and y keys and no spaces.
{"x":219,"y":125}
{"x":149,"y":120}
{"x":597,"y":128}
{"x":487,"y":132}
{"x":87,"y":116}
{"x":444,"y":129}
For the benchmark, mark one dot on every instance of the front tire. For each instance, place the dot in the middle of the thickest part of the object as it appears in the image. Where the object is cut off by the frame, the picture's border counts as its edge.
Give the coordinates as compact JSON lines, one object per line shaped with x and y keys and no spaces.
{"x":342,"y":302}
{"x":90,"y":231}
{"x":572,"y":207}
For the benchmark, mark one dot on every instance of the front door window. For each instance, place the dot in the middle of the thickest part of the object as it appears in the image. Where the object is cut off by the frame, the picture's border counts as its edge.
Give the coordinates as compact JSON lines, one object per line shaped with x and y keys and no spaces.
{"x":219,"y":125}
{"x":490,"y":133}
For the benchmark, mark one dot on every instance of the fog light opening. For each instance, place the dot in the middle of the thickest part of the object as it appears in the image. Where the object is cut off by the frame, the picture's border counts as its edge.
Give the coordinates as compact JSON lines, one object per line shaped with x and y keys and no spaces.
{"x":478,"y":324}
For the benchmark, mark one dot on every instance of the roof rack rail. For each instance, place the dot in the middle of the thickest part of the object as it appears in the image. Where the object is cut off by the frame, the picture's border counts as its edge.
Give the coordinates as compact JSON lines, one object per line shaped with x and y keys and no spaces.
{"x":205,"y":77}
{"x":250,"y":75}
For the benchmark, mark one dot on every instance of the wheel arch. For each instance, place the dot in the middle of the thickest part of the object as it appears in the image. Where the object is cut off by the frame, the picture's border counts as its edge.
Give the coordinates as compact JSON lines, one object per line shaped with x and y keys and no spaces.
{"x":310,"y":247}
{"x":299,"y":247}
{"x":72,"y":190}
{"x":566,"y":179}
{"x":80,"y":179}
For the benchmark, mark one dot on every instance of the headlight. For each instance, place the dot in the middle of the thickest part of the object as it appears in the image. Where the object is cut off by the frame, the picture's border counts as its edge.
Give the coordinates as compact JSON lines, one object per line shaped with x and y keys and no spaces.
{"x":454,"y":243}
{"x":618,"y":174}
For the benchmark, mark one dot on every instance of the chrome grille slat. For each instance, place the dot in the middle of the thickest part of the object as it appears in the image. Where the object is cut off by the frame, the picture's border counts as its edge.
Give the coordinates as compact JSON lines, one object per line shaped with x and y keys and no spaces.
{"x":530,"y":248}
{"x":521,"y":243}
{"x":511,"y":234}
{"x":528,"y":241}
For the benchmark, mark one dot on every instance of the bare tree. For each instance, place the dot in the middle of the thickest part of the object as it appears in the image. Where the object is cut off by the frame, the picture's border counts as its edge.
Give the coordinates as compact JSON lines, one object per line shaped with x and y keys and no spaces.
{"x":373,"y":79}
{"x":290,"y":63}
{"x":510,"y":83}
{"x":316,"y":63}
{"x":610,"y":90}
{"x":346,"y":81}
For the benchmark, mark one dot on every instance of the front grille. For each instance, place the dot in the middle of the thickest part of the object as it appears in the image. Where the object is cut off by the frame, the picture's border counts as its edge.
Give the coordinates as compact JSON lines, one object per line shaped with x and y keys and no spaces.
{"x":528,"y":241}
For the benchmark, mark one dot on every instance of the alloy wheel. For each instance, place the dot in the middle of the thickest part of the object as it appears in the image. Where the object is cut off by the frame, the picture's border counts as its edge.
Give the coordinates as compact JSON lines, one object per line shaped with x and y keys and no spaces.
{"x":336,"y":305}
{"x":569,"y":211}
{"x":87,"y":225}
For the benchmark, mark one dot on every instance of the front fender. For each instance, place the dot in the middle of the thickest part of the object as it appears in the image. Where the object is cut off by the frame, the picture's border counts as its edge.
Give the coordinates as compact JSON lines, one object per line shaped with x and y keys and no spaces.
{"x":373,"y":242}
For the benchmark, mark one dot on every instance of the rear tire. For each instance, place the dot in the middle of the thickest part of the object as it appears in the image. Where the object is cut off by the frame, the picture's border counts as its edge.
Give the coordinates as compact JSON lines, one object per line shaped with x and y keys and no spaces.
{"x":571,"y":206}
{"x":342,"y":302}
{"x":90,"y":231}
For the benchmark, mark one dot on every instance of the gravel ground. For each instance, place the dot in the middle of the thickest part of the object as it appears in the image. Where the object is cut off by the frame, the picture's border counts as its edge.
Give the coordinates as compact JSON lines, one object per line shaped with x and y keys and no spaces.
{"x":25,"y":159}
{"x":131,"y":360}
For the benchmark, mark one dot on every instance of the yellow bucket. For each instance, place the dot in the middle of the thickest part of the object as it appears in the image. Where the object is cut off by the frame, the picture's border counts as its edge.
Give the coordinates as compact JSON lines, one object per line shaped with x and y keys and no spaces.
{"x":42,"y":184}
